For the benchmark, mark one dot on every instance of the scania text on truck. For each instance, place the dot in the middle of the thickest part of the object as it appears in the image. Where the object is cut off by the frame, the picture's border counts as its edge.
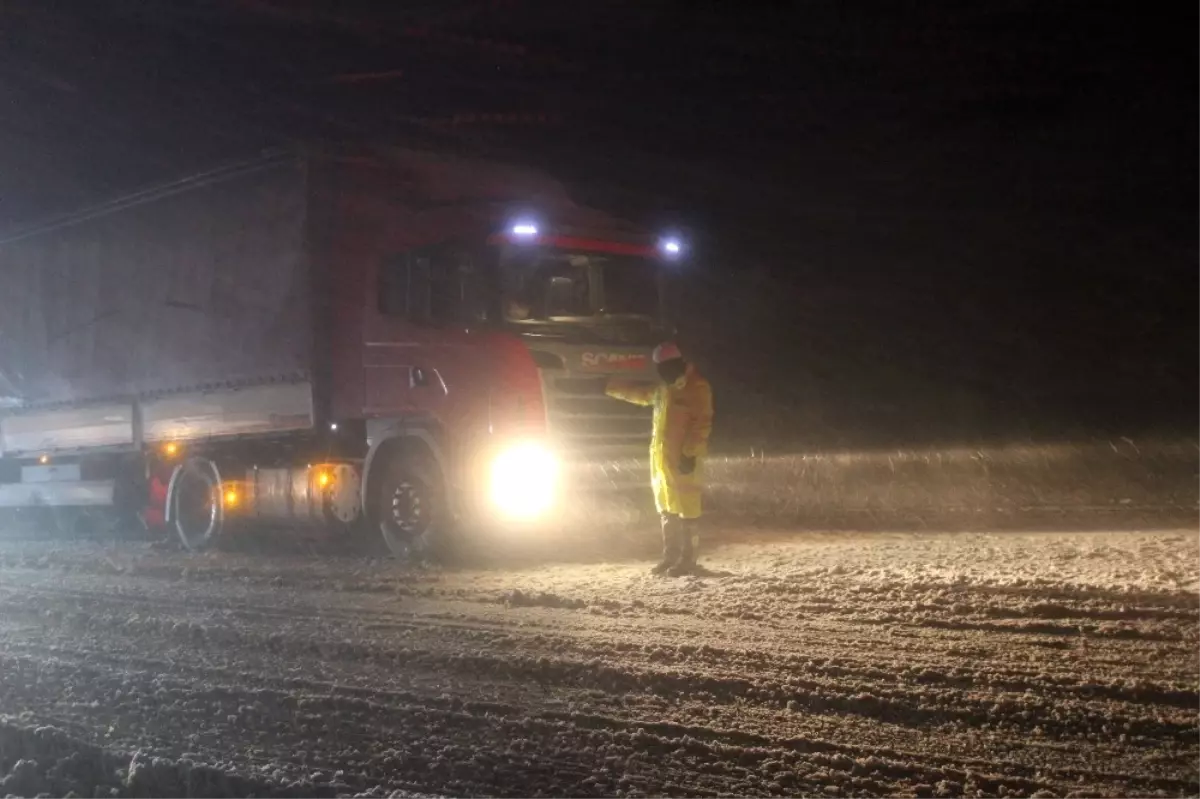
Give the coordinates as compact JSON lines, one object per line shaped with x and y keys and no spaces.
{"x":400,"y":341}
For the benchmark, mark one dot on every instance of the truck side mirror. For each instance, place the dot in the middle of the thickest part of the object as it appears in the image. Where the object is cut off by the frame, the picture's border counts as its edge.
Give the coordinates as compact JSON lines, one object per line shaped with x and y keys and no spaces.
{"x":473,"y":290}
{"x":392,"y":285}
{"x":560,"y":296}
{"x":403,"y":286}
{"x":420,"y":288}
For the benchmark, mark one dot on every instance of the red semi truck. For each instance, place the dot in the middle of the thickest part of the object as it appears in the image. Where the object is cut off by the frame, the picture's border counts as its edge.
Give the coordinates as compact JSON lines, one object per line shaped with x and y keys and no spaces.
{"x":398,"y":340}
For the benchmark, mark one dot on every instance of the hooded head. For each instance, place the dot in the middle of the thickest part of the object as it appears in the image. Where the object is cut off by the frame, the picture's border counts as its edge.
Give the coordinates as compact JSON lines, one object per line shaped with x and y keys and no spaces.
{"x":669,"y":362}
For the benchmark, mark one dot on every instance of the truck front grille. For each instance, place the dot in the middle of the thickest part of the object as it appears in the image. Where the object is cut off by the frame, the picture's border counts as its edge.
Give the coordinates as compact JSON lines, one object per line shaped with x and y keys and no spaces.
{"x":585,"y":422}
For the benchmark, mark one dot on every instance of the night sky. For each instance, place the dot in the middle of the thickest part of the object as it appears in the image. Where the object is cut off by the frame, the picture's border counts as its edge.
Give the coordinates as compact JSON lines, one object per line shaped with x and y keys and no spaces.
{"x":913,"y":222}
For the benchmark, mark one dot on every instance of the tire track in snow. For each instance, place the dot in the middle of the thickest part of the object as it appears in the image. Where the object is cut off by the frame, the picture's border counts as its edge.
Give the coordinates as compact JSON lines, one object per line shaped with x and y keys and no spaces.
{"x":594,"y":680}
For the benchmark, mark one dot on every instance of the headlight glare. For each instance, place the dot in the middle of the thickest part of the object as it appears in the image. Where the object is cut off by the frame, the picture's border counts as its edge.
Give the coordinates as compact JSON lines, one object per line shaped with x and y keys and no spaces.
{"x":524,"y":480}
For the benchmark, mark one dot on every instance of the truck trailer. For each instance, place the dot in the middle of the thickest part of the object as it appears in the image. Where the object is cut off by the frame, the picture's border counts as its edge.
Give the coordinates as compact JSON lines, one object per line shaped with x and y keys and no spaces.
{"x":405,"y":342}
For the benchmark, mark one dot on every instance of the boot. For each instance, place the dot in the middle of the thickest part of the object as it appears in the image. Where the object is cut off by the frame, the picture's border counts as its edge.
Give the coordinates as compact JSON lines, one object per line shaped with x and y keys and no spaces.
{"x":672,"y":541}
{"x":688,"y":550}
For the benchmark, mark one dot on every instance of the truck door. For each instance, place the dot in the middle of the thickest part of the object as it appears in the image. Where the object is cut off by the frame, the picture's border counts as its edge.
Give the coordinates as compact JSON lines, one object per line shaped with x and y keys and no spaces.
{"x":423,"y":347}
{"x":395,"y":336}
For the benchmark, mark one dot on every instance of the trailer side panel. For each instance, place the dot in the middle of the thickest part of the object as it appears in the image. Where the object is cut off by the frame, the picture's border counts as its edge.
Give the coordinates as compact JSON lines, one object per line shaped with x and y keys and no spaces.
{"x":203,"y":286}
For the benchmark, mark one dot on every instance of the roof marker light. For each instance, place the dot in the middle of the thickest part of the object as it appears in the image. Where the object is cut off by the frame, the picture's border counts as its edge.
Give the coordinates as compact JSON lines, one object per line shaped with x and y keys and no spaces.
{"x":671,"y":247}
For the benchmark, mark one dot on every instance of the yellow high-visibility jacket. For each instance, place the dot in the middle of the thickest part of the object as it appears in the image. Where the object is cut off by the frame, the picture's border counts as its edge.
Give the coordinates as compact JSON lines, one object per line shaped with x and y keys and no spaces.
{"x":683,"y":417}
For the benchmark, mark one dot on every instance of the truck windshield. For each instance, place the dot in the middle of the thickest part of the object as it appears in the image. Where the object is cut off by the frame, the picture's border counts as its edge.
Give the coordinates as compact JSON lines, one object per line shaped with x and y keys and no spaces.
{"x":540,"y":284}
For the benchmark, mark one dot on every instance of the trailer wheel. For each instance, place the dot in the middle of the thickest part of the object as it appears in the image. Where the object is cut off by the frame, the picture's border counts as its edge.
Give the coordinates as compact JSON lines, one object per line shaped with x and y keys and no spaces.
{"x":411,"y":508}
{"x":194,"y":500}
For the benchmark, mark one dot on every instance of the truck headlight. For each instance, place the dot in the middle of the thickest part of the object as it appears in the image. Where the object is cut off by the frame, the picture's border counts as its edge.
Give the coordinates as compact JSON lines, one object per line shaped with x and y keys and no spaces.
{"x":524,"y":480}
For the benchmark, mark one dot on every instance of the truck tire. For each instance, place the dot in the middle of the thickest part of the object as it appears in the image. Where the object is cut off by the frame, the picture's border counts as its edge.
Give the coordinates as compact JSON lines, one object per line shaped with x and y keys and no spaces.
{"x":194,"y":497}
{"x":412,"y":509}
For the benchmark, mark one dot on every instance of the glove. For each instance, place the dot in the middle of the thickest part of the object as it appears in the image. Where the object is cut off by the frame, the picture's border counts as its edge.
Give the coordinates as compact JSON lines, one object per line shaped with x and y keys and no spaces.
{"x":687,"y":464}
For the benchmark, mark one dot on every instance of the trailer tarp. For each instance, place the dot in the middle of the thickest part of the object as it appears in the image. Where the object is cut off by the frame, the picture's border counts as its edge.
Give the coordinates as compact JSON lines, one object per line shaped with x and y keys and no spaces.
{"x":201,"y":284}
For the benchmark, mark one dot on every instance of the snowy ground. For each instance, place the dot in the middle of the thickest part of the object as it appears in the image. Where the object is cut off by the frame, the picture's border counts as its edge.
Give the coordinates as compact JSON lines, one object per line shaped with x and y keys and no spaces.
{"x":927,"y":664}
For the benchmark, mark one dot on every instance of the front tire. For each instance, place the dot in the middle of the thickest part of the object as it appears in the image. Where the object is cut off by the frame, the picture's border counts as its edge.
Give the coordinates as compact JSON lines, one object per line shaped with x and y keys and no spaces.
{"x":411,"y":506}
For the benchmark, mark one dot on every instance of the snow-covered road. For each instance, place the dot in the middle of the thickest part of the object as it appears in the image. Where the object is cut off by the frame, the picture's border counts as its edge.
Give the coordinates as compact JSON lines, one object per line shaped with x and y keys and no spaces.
{"x":1015,"y":664}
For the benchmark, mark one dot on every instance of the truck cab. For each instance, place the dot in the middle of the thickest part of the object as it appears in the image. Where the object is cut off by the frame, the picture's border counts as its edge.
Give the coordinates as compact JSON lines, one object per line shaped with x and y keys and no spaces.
{"x":502,"y":342}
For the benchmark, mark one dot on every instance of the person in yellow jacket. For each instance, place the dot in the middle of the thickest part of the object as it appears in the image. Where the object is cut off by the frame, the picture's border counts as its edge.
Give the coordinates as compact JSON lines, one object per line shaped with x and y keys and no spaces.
{"x":683,"y":416}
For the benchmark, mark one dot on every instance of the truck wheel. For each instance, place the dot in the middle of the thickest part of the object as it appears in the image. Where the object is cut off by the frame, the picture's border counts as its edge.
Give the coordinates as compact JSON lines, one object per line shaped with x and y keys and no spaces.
{"x":195,"y":500}
{"x":411,"y":508}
